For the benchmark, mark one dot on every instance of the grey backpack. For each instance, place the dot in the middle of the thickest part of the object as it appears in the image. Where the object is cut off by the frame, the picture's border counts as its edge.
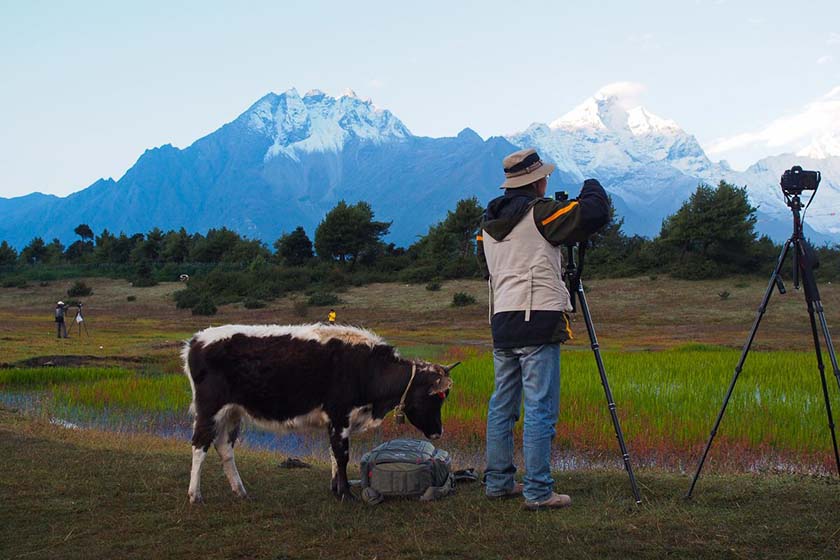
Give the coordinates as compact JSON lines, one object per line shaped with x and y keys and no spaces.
{"x":406,"y":468}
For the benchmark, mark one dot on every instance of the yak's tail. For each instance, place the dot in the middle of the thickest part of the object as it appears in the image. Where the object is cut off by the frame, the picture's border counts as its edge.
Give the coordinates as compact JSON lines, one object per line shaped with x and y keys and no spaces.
{"x":185,"y":358}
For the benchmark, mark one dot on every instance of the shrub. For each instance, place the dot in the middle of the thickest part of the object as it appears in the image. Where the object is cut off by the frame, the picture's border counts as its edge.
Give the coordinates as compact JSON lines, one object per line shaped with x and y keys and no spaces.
{"x":301,"y":308}
{"x":419,"y":274}
{"x":205,"y":306}
{"x":461,"y":299}
{"x":253,"y":303}
{"x":323,"y":298}
{"x":144,"y":282}
{"x":143,"y":276}
{"x":43,"y":284}
{"x":724,"y":295}
{"x":433,"y":286}
{"x":79,"y":289}
{"x":131,"y":298}
{"x":187,"y":299}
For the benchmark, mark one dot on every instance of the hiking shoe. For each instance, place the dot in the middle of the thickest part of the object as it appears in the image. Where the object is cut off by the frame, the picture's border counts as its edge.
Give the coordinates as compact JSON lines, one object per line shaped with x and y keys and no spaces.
{"x":514,"y":492}
{"x":556,"y":501}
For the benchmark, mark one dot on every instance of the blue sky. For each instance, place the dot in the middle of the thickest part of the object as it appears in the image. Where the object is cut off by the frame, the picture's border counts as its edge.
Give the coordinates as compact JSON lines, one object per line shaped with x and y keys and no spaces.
{"x":88,"y":86}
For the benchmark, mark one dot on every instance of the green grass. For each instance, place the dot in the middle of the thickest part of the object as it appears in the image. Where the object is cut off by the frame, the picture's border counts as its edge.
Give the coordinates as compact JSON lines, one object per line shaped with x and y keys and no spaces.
{"x":34,"y":378}
{"x":667,"y":402}
{"x":85,"y":494}
{"x":671,"y":398}
{"x":164,"y":393}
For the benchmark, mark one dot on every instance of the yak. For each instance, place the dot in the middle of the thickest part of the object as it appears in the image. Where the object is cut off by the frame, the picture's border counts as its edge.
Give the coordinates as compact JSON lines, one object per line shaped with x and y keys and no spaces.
{"x":342,"y":378}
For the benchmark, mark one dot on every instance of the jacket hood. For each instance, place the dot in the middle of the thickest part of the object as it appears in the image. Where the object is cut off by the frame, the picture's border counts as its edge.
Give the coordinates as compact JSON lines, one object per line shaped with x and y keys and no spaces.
{"x":504,"y":212}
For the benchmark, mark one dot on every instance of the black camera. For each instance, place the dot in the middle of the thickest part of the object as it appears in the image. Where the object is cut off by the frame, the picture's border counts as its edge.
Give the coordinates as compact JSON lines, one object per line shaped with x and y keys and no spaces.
{"x":795,"y":180}
{"x":561,"y":196}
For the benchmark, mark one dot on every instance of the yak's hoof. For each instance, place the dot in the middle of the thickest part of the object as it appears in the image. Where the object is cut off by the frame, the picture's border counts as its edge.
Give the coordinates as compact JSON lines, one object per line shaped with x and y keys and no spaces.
{"x":242,"y":495}
{"x":344,"y":495}
{"x":196,"y":499}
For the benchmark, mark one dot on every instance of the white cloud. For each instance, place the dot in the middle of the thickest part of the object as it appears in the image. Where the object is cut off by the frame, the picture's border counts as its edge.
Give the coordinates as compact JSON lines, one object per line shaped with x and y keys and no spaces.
{"x":826,"y":59}
{"x":376,"y":83}
{"x":791,"y":133}
{"x":833,"y":39}
{"x":627,"y":93}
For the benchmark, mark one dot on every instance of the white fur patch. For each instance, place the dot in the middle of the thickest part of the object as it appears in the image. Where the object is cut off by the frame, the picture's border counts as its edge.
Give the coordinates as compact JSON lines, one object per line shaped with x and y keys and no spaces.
{"x":194,"y":492}
{"x":361,"y":419}
{"x":315,"y":332}
{"x":316,"y":418}
{"x":185,"y":353}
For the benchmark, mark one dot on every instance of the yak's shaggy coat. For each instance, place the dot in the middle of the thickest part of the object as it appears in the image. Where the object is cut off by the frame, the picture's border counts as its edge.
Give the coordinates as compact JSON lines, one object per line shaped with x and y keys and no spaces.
{"x":301,"y":376}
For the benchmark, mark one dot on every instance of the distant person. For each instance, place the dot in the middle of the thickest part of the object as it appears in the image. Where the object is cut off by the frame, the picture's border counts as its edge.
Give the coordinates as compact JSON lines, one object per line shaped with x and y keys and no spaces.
{"x":60,"y":310}
{"x":331,"y":317}
{"x":522,"y":235}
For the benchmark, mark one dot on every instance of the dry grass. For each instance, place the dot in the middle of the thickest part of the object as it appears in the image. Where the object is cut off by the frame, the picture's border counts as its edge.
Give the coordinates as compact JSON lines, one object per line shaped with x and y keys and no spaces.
{"x":79,"y":494}
{"x":629,"y":314}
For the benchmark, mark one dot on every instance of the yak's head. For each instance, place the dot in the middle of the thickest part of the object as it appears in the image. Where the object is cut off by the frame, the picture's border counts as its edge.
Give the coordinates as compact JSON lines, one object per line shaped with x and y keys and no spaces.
{"x":429,"y":389}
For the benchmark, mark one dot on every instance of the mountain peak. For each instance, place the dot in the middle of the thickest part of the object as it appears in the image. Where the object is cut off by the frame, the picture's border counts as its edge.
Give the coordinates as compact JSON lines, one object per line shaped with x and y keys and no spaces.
{"x":824,"y":146}
{"x":318,"y":122}
{"x":587,"y":115}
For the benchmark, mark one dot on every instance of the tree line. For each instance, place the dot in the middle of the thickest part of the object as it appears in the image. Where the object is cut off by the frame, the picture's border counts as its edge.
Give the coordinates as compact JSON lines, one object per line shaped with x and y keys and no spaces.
{"x":711,"y":235}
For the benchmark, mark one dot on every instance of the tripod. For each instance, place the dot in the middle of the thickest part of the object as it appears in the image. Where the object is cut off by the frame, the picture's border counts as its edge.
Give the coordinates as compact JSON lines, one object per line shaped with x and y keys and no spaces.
{"x":573,"y":273}
{"x":803,"y":267}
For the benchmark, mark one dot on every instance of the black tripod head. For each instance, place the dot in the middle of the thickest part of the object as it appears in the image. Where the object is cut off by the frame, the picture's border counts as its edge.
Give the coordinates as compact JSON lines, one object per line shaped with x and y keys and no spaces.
{"x":794,"y":182}
{"x":573,"y":271}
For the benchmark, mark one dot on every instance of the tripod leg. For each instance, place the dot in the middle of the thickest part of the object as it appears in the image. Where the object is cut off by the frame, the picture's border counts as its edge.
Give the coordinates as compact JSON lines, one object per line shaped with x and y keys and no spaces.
{"x":821,"y":367}
{"x":828,"y":344}
{"x":774,"y":278}
{"x":596,"y":349}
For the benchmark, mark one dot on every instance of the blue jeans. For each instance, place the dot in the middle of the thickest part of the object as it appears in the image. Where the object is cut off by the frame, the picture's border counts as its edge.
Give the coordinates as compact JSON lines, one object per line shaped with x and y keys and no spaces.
{"x":534,"y":370}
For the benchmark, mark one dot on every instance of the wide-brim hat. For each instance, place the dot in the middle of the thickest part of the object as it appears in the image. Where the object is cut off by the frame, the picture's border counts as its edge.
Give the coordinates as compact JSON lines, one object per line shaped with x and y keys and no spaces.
{"x":523,"y":168}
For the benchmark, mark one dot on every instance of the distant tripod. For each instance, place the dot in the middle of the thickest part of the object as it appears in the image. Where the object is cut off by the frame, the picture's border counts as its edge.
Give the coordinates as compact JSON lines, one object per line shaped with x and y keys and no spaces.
{"x":573,"y":273}
{"x":803,"y":266}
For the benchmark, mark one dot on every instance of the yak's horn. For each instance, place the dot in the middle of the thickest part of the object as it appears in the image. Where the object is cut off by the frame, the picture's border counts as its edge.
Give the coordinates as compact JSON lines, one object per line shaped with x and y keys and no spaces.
{"x":449,"y":368}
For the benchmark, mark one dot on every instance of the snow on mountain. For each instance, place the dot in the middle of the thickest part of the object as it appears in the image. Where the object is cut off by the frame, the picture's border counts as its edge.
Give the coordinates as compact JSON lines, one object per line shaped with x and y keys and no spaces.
{"x":601,"y":134}
{"x":304,"y":153}
{"x":650,"y":165}
{"x":762,"y":181}
{"x":318,"y":122}
{"x":824,"y":146}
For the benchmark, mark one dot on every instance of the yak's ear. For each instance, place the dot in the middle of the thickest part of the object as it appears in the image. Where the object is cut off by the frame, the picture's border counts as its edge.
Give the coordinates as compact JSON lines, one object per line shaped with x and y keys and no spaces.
{"x":441,"y":385}
{"x":450,"y":367}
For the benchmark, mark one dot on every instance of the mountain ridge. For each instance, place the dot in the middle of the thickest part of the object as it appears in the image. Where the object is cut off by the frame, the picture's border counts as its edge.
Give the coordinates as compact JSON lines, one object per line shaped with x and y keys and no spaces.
{"x":288,"y":158}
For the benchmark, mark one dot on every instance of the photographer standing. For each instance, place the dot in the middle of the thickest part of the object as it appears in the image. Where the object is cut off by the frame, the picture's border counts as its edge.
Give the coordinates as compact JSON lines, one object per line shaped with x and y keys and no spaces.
{"x":60,"y":310}
{"x":522,"y":235}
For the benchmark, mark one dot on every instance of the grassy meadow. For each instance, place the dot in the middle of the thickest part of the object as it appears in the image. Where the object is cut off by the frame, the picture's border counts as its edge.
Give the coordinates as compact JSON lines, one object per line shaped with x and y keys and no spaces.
{"x":669,"y":348}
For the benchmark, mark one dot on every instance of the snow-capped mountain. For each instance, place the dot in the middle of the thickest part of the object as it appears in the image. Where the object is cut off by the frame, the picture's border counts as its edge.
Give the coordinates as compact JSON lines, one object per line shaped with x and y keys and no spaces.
{"x":282,"y":163}
{"x":762,"y":181}
{"x":824,"y":146}
{"x":317,"y":122}
{"x":288,"y":159}
{"x":651,"y":165}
